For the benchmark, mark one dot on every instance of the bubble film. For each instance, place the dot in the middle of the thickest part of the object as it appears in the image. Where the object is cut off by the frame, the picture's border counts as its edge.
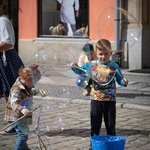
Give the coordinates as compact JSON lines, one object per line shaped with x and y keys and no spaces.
{"x":130,"y":29}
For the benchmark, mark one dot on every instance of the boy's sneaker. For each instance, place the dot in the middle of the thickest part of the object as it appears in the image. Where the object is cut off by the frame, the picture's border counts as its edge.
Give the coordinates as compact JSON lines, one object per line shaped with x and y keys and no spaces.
{"x":8,"y":131}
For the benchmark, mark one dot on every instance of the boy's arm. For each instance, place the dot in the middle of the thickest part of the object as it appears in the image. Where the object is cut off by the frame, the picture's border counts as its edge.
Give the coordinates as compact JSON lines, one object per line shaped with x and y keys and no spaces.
{"x":79,"y":70}
{"x":125,"y":81}
{"x":120,"y":78}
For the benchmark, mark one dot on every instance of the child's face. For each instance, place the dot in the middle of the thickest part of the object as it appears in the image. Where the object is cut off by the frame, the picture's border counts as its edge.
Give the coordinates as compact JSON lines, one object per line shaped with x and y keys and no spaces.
{"x":92,"y":55}
{"x":103,"y":55}
{"x":29,"y":83}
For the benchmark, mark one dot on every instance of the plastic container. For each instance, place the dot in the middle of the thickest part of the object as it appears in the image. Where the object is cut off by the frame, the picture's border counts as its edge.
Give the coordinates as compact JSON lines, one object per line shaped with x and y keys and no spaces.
{"x":108,"y":142}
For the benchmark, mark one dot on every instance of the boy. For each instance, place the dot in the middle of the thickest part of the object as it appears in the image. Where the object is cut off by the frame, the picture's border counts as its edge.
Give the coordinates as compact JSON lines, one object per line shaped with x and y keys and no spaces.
{"x":103,"y":96}
{"x":20,"y":103}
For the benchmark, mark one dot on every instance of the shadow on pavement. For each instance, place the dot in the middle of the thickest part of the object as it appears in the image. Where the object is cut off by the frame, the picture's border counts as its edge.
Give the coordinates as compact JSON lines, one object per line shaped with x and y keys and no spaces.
{"x":86,"y":132}
{"x":141,"y":70}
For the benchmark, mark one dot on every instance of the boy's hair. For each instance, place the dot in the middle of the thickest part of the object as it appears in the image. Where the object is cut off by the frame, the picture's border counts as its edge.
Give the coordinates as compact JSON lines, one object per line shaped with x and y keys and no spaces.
{"x":103,"y":44}
{"x":30,"y":72}
{"x":88,"y":47}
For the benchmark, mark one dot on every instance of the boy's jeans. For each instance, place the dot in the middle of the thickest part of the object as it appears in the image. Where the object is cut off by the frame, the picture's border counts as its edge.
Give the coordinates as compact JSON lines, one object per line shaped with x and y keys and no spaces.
{"x":100,"y":109}
{"x":22,"y":137}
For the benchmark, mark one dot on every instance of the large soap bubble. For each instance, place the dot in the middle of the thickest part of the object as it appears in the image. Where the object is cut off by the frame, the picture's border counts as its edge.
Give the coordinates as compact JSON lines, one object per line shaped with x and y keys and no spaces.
{"x":129,"y":27}
{"x":48,"y":119}
{"x":57,"y":59}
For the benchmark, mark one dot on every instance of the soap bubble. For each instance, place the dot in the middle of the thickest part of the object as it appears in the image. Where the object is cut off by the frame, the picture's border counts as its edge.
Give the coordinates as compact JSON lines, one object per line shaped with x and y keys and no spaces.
{"x":51,"y":117}
{"x":48,"y":117}
{"x":129,"y":27}
{"x":56,"y":58}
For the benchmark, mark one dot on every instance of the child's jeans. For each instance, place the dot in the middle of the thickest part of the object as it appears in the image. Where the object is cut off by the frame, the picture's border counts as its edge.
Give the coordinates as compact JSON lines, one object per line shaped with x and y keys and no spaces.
{"x":100,"y":109}
{"x":22,"y":137}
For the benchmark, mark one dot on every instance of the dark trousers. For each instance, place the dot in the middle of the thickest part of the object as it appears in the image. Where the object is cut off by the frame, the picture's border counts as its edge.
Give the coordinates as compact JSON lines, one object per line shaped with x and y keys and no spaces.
{"x":100,"y":109}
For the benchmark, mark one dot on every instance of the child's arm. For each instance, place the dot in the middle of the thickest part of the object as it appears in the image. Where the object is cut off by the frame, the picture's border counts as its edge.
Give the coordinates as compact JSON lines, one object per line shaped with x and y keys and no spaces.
{"x":15,"y":99}
{"x":125,"y":81}
{"x":73,"y":65}
{"x":119,"y":76}
{"x":25,"y":111}
{"x":80,"y":70}
{"x":120,"y":79}
{"x":36,"y":91}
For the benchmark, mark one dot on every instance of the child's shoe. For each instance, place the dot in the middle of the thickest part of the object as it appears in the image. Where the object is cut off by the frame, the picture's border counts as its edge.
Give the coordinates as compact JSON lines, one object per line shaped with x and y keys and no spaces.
{"x":9,"y":131}
{"x":27,"y":148}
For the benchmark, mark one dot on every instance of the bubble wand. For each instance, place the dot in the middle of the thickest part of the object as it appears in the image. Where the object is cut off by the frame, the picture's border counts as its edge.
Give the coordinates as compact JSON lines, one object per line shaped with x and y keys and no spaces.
{"x":95,"y":78}
{"x":37,"y":129}
{"x":19,"y":119}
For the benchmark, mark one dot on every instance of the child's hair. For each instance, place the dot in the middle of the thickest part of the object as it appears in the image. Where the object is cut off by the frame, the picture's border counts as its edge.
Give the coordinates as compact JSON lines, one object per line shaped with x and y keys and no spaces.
{"x":25,"y":73}
{"x":103,"y":44}
{"x":30,"y":72}
{"x":88,"y":47}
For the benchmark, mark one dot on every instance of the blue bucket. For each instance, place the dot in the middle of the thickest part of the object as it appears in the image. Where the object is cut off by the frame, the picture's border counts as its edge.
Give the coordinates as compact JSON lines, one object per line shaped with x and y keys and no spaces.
{"x":108,"y":142}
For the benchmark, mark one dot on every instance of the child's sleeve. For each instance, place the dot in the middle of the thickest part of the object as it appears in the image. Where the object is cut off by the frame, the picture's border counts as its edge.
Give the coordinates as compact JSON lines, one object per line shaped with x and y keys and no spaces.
{"x":15,"y":98}
{"x":35,"y":91}
{"x":119,"y":77}
{"x":81,"y":70}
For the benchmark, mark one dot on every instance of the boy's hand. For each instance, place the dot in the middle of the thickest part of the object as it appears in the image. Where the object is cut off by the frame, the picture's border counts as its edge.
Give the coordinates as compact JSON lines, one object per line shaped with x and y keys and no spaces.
{"x":125,"y":81}
{"x":25,"y":111}
{"x":73,"y":64}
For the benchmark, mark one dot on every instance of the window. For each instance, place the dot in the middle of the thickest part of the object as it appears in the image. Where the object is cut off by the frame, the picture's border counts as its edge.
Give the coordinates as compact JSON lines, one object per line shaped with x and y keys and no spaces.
{"x":50,"y":24}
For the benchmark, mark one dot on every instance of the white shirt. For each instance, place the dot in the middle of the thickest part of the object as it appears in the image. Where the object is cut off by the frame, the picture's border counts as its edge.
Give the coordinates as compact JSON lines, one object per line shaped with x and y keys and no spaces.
{"x":7,"y":34}
{"x":67,"y":10}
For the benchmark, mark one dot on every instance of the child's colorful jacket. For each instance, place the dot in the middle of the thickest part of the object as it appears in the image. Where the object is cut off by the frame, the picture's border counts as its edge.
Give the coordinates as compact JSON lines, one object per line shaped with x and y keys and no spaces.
{"x":104,"y":77}
{"x":19,"y":98}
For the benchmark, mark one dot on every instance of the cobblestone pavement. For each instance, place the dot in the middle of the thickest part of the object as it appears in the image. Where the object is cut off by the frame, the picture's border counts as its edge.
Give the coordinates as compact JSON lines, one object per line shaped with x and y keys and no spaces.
{"x":64,"y":117}
{"x":64,"y":125}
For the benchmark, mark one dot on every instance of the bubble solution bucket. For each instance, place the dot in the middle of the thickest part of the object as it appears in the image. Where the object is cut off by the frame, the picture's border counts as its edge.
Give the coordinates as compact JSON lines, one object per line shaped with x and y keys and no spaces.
{"x":108,"y":142}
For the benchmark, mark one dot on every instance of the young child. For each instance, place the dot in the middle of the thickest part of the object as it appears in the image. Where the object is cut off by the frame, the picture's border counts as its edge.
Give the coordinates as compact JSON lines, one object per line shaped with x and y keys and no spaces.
{"x":103,"y":97}
{"x":87,"y":55}
{"x":20,"y":103}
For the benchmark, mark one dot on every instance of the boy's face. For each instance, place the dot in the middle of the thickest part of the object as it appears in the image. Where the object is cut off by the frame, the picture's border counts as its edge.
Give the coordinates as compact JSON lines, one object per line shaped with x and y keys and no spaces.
{"x":103,"y":55}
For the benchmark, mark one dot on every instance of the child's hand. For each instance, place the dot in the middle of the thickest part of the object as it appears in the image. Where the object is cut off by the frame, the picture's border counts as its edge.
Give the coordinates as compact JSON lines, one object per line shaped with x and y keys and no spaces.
{"x":25,"y":111}
{"x":125,"y":81}
{"x":73,"y":64}
{"x":43,"y":93}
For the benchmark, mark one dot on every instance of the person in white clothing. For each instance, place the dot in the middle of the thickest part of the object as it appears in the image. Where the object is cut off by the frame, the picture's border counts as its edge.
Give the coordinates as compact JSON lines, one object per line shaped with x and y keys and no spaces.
{"x":10,"y":62}
{"x":68,"y":11}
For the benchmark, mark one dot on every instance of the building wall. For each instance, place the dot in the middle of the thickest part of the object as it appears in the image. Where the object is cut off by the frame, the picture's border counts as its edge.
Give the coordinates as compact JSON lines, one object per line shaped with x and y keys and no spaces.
{"x":135,"y":57}
{"x":97,"y":17}
{"x":27,"y":19}
{"x":30,"y":44}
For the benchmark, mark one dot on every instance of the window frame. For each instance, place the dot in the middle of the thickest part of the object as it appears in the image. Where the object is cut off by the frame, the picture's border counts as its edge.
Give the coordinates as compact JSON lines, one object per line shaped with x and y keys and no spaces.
{"x":40,"y":35}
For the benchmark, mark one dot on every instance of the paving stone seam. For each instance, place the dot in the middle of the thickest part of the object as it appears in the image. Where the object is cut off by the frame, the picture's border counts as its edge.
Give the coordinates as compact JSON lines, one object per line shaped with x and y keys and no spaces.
{"x":82,"y":101}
